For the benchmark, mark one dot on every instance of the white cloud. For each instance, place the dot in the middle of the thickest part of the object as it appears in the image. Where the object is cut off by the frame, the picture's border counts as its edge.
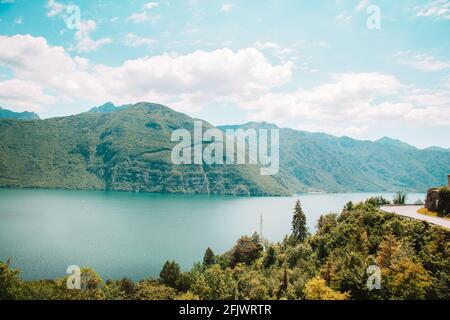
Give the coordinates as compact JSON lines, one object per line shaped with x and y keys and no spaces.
{"x":356,"y":99}
{"x":186,"y":82}
{"x":143,"y":17}
{"x":46,"y":75}
{"x":23,"y":95}
{"x":85,"y":43}
{"x":145,"y":14}
{"x":132,"y":40}
{"x":151,"y":5}
{"x":344,"y":17}
{"x":282,"y":53}
{"x":438,"y":9}
{"x":227,"y":7}
{"x":422,"y":62}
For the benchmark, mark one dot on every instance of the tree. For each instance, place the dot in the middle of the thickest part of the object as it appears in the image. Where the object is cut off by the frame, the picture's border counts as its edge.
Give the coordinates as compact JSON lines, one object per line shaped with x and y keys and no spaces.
{"x":378,"y":201}
{"x":299,"y":229}
{"x":90,"y":280}
{"x":399,"y":198}
{"x":443,"y":207}
{"x":317,"y":289}
{"x":170,"y":274}
{"x":388,"y":251}
{"x":9,"y":281}
{"x":270,"y":258}
{"x":127,"y":286}
{"x":209,"y":258}
{"x":214,"y":283}
{"x":409,"y":280}
{"x":152,"y":290}
{"x":246,"y":251}
{"x":348,"y":206}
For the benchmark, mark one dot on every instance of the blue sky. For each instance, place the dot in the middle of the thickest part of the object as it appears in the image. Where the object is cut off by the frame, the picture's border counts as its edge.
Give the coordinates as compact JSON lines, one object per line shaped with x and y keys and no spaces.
{"x":311,"y":65}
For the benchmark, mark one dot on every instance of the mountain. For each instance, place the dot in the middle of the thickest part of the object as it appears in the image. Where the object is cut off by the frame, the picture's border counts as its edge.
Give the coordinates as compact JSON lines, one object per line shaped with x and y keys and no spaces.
{"x":129,"y":150}
{"x":249,"y":125}
{"x":436,"y":148}
{"x":107,"y":108}
{"x":394,"y":143}
{"x":8,"y":114}
{"x":321,"y":162}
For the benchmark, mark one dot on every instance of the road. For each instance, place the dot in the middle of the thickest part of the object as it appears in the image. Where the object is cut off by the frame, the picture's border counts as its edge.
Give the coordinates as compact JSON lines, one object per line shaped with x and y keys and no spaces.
{"x":411,"y":212}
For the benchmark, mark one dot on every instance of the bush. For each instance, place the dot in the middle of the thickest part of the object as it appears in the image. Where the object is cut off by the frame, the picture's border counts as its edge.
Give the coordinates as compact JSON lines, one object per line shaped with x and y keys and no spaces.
{"x":444,"y":201}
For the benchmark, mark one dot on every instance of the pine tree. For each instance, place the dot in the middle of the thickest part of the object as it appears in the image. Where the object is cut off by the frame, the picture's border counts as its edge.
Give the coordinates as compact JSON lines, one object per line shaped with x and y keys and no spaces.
{"x":299,"y":229}
{"x":209,"y":259}
{"x":170,"y":273}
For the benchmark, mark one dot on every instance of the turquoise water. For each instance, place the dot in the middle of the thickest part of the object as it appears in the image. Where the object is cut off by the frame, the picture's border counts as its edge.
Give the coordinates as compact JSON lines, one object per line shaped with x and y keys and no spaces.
{"x":133,"y":234}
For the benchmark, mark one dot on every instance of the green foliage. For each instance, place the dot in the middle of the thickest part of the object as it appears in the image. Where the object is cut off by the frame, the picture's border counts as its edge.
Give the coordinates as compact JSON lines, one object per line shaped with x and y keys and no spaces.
{"x":407,"y":280}
{"x":214,"y":283}
{"x":209,"y":259}
{"x":399,"y":198}
{"x":246,"y":250}
{"x":153,"y":290}
{"x":299,"y":229}
{"x":321,"y":162}
{"x":127,"y":286}
{"x":444,"y":201}
{"x":90,"y":280}
{"x":378,"y":201}
{"x":316,"y":289}
{"x":9,"y":282}
{"x":170,"y":274}
{"x":270,"y":257}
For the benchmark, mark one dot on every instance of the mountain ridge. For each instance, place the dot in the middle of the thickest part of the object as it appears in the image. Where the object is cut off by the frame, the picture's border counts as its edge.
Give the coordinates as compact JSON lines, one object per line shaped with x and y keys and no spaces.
{"x":127,"y":150}
{"x":129,"y":147}
{"x":8,"y":114}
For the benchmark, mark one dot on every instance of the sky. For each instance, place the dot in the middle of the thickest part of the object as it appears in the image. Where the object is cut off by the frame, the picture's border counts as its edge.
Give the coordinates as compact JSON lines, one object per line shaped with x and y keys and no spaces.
{"x":363,"y":69}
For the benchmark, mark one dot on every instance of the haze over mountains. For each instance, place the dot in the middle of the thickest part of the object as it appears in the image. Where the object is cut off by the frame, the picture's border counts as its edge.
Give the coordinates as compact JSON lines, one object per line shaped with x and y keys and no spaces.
{"x":128,"y":148}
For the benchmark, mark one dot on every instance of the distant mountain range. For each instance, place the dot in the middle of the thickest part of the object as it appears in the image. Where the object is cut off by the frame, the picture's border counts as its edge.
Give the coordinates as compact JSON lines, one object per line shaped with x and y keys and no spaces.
{"x":8,"y":114}
{"x":321,"y":162}
{"x":128,"y":148}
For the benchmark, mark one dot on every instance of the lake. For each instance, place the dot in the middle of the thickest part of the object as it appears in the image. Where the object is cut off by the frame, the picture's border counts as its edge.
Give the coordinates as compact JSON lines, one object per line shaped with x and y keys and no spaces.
{"x":132,"y":234}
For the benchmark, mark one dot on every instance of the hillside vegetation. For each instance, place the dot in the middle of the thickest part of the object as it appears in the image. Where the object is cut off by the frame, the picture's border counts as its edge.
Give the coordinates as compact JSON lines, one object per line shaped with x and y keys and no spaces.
{"x":128,"y":148}
{"x":321,"y":162}
{"x":332,"y":264}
